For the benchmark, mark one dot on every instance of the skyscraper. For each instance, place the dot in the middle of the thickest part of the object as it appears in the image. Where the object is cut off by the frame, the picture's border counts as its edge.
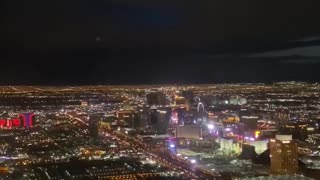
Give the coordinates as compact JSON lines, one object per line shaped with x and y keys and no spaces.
{"x":153,"y":117}
{"x":282,"y":115}
{"x":126,"y":118}
{"x":283,"y":155}
{"x":94,"y":125}
{"x":156,"y":98}
{"x":188,"y":95}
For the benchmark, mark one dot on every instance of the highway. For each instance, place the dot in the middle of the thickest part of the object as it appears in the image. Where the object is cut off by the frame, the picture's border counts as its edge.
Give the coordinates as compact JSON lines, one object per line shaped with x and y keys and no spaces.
{"x":78,"y":119}
{"x":189,"y":169}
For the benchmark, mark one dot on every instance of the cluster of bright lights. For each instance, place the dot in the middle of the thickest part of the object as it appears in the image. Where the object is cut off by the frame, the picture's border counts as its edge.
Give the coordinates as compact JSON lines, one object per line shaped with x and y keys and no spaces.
{"x":210,"y":126}
{"x":249,"y":138}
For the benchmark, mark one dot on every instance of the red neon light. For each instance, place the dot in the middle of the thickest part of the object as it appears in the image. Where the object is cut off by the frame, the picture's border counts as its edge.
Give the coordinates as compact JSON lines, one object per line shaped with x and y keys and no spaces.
{"x":3,"y":122}
{"x":31,"y":119}
{"x":24,"y":119}
{"x":16,"y":122}
{"x":9,"y":124}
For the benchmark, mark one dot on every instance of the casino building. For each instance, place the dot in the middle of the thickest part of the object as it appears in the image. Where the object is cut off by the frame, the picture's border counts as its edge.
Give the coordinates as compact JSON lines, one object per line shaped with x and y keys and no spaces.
{"x":23,"y":120}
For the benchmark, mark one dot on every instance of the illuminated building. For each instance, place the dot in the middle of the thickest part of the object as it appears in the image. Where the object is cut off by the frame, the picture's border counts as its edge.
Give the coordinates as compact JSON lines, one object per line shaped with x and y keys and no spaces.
{"x":179,"y":100}
{"x":4,"y":169}
{"x":126,"y":117}
{"x":251,"y":122}
{"x":84,"y":103}
{"x":24,"y":120}
{"x":297,"y":129}
{"x":177,"y":116}
{"x":229,"y":145}
{"x":153,"y":117}
{"x":260,"y":146}
{"x":156,"y":98}
{"x":232,"y":119}
{"x":283,"y":155}
{"x":236,"y":100}
{"x":174,"y":118}
{"x":189,"y":132}
{"x":282,"y":115}
{"x":94,"y":122}
{"x":188,"y":95}
{"x":27,"y":119}
{"x":108,"y":121}
{"x":158,"y":119}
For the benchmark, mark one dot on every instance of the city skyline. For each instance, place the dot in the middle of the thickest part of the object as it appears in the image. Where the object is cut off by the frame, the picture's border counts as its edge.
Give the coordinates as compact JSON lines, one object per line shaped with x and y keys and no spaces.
{"x":170,"y":90}
{"x":220,"y":131}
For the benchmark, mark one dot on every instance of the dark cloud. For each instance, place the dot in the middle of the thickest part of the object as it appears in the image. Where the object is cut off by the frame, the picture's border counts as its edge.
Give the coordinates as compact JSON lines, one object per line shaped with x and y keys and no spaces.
{"x":73,"y":24}
{"x":111,"y":40}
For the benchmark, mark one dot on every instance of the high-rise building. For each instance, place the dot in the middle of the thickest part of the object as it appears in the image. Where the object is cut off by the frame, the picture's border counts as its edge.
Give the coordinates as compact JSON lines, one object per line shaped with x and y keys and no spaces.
{"x":282,"y":115}
{"x":179,"y":100}
{"x":188,"y":95}
{"x":156,"y":98}
{"x":126,"y":118}
{"x":250,"y":122}
{"x":177,"y":116}
{"x":283,"y":155}
{"x":94,"y":121}
{"x":153,"y":117}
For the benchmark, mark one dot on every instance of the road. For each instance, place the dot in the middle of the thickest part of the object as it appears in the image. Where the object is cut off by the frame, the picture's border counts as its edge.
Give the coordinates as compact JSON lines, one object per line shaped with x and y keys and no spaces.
{"x":191,"y":170}
{"x":78,"y":119}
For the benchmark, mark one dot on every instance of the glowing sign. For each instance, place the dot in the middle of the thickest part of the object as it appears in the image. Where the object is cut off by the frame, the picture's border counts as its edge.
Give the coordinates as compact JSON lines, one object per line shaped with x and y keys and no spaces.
{"x":286,"y":142}
{"x":3,"y":122}
{"x":16,"y":122}
{"x":25,"y":120}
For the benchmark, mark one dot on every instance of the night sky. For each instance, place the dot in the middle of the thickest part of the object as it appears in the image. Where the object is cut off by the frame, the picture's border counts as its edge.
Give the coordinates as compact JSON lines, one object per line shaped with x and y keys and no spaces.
{"x":141,"y":41}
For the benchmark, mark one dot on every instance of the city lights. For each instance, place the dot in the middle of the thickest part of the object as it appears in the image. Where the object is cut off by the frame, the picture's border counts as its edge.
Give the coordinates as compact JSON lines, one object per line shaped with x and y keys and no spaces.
{"x":124,"y":128}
